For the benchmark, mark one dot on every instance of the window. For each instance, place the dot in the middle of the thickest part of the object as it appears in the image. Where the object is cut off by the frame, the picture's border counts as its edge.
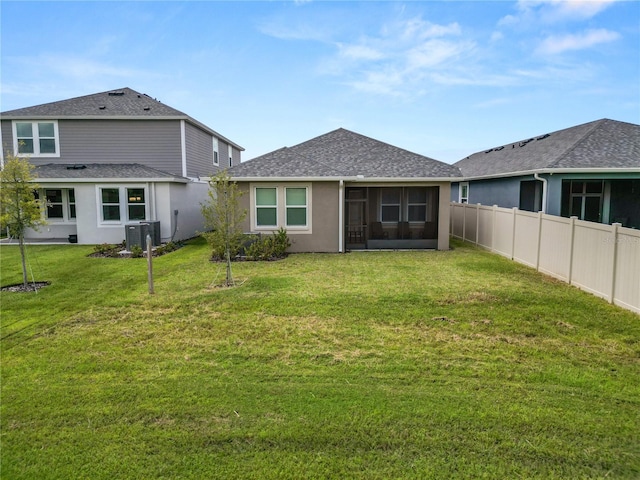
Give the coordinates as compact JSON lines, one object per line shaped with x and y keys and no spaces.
{"x":122,"y":204}
{"x":71,"y":193}
{"x":390,"y":204}
{"x":55,"y":206}
{"x":463,"y":192}
{"x":39,"y":139}
{"x":586,"y":200}
{"x":216,"y":159}
{"x":110,"y":204}
{"x":417,"y":204}
{"x":266,"y":207}
{"x":230,"y":156}
{"x":136,"y":204}
{"x":281,"y":206}
{"x":60,"y":204}
{"x":296,"y":206}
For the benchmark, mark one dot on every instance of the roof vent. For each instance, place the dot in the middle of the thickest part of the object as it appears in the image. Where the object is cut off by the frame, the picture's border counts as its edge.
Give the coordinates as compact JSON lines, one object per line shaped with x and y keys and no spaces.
{"x":102,"y":107}
{"x":497,"y":149}
{"x":543,"y":137}
{"x":117,"y":93}
{"x":76,"y":167}
{"x":147,"y":108}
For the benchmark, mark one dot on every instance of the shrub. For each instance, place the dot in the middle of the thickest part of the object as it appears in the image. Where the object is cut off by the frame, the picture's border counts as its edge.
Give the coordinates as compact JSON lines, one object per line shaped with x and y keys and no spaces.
{"x":269,"y":247}
{"x":136,"y":251}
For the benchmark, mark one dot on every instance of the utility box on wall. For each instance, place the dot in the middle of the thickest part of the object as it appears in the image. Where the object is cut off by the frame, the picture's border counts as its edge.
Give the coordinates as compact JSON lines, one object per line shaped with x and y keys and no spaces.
{"x":136,"y":234}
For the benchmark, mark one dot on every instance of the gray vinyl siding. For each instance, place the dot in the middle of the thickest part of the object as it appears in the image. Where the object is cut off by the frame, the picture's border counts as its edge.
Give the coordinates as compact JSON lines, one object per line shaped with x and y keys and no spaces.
{"x":155,"y":143}
{"x":7,"y":136}
{"x":224,"y":155}
{"x":199,"y":152}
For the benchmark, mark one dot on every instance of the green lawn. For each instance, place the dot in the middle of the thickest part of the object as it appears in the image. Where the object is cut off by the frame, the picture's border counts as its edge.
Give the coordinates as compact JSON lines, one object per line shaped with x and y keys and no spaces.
{"x":369,"y":365}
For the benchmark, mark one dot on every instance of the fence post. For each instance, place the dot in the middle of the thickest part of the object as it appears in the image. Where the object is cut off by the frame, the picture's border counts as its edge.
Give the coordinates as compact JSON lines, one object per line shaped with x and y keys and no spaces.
{"x":614,"y":233}
{"x":513,"y":233}
{"x":572,"y":226}
{"x":477,"y":223}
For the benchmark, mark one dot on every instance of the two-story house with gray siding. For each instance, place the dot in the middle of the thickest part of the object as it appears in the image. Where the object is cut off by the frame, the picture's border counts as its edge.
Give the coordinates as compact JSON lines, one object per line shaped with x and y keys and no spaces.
{"x":116,"y":158}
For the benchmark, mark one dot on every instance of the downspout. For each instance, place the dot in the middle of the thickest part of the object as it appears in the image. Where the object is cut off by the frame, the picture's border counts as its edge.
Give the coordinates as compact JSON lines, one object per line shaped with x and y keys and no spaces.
{"x":544,"y":191}
{"x":341,"y":217}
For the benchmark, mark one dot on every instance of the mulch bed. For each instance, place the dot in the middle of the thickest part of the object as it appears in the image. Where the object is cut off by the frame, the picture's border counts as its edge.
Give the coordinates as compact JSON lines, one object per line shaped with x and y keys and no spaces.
{"x":31,"y":287}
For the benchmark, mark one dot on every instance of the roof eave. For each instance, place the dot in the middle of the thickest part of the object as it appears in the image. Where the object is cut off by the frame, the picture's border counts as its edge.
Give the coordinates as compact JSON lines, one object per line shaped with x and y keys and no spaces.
{"x":354,"y":179}
{"x":112,"y":180}
{"x":549,"y":171}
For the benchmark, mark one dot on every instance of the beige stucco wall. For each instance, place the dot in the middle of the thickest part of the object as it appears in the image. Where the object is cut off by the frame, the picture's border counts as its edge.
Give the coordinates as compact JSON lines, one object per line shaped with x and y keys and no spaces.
{"x":323,"y":235}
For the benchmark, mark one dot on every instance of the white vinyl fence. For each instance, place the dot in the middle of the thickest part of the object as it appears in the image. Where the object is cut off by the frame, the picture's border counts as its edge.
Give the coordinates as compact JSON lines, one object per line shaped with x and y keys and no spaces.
{"x":601,"y":259}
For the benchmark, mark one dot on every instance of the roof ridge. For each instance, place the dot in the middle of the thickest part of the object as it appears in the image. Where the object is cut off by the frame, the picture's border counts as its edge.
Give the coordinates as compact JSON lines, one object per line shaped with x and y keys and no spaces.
{"x":596,"y":125}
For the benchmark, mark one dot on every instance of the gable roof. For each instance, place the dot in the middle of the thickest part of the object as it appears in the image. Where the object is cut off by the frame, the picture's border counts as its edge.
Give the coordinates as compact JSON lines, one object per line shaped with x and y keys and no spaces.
{"x":602,"y":144}
{"x":342,"y":154}
{"x":102,"y":172}
{"x":123,"y":103}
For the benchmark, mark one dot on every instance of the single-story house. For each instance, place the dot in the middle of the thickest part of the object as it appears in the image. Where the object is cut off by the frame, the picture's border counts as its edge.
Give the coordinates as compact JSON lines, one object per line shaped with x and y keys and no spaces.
{"x":110,"y":160}
{"x":345,"y":191}
{"x":591,"y":171}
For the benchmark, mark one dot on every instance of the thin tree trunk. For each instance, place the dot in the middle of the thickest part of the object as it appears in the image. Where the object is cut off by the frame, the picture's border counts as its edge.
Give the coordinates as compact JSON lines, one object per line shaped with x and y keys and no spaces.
{"x":25,"y":279}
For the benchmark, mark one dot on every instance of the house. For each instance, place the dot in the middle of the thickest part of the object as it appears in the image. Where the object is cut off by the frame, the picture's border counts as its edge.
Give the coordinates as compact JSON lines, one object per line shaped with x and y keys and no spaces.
{"x":112,"y":159}
{"x":591,"y":171}
{"x":345,"y":191}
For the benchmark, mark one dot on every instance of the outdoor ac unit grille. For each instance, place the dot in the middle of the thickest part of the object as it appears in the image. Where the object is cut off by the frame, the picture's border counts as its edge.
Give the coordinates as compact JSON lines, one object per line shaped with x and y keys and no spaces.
{"x":136,"y":234}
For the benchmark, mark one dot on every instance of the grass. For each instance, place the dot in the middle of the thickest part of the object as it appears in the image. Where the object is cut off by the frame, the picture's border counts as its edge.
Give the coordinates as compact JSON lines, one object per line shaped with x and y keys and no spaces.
{"x":456,"y":364}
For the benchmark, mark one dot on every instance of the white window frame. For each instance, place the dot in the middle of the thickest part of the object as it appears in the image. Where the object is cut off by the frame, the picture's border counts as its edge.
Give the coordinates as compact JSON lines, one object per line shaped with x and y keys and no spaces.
{"x":230,"y":156}
{"x":305,"y":206}
{"x":463,"y":198}
{"x":256,"y":207}
{"x":399,"y":205}
{"x":65,"y":203}
{"x":36,"y":139}
{"x":424,"y":203}
{"x":123,"y":203}
{"x":216,"y":152}
{"x":281,"y":208}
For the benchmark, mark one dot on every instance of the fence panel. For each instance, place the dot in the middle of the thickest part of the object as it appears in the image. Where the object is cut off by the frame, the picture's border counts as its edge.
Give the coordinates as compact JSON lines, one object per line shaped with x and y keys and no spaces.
{"x":592,"y":258}
{"x":555,"y":247}
{"x":627,"y":276}
{"x":503,"y":231}
{"x":485,"y":227}
{"x":525,"y":242}
{"x":601,"y":259}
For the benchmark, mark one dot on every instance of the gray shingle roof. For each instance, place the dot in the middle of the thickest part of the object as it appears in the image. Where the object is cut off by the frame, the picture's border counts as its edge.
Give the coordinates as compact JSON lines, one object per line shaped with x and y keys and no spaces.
{"x":123,"y":102}
{"x":600,"y":144}
{"x":120,"y":103}
{"x":125,"y":171}
{"x":342,"y":153}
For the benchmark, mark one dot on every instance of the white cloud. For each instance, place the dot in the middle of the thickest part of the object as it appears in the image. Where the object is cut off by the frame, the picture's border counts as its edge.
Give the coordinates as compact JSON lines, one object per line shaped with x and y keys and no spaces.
{"x":556,"y":44}
{"x":532,"y":12}
{"x":359,"y":52}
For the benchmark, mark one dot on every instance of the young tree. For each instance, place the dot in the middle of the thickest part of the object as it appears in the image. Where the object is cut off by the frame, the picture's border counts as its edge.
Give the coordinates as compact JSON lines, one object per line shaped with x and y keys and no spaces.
{"x":224,"y":216}
{"x":19,"y":207}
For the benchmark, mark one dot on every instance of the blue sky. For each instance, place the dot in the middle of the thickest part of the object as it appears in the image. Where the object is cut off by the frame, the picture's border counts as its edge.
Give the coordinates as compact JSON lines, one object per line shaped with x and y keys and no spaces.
{"x":441,"y":78}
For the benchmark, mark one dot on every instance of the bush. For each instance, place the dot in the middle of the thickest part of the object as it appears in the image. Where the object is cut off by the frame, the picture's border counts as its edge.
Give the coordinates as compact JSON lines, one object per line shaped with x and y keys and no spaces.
{"x":269,"y":248}
{"x":136,"y":251}
{"x":216,"y":241}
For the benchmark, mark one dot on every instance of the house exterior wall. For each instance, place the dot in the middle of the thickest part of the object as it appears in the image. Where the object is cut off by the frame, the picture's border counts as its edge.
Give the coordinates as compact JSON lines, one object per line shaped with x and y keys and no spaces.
{"x":324,"y":201}
{"x":156,"y":144}
{"x":324,"y":233}
{"x":199,"y":150}
{"x":163,"y":199}
{"x":504,"y":192}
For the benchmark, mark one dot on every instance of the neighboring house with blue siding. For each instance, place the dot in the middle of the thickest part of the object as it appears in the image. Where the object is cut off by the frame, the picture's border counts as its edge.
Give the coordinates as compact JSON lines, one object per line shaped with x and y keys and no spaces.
{"x":591,"y":171}
{"x":110,"y":159}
